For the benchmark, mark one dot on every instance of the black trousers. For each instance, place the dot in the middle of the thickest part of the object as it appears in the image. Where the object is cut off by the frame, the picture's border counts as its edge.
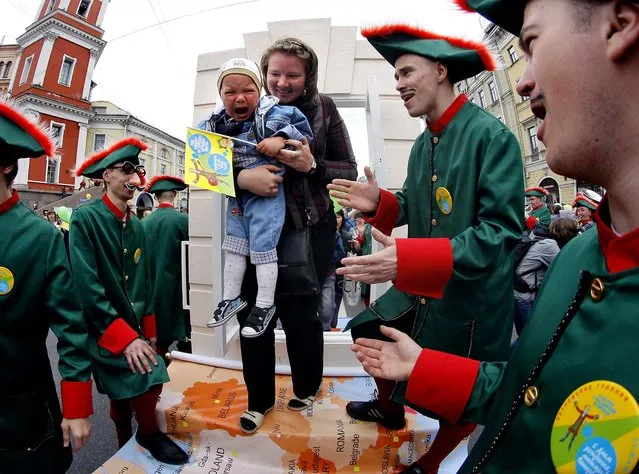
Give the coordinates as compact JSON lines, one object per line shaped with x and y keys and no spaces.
{"x":301,"y":324}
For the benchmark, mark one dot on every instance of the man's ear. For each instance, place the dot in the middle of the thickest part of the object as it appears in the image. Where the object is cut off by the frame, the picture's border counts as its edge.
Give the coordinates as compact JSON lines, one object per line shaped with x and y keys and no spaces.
{"x":623,"y":29}
{"x":6,"y":169}
{"x":442,"y":72}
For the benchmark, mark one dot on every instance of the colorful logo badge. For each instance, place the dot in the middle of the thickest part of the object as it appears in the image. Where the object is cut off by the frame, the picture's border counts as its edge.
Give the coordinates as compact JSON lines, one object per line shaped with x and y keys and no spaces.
{"x":444,"y":200}
{"x":596,"y":430}
{"x":137,"y":255}
{"x":6,"y":281}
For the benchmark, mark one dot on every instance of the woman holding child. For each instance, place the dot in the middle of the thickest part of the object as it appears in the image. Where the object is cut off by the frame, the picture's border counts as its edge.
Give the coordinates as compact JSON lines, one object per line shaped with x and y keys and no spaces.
{"x":289,"y":68}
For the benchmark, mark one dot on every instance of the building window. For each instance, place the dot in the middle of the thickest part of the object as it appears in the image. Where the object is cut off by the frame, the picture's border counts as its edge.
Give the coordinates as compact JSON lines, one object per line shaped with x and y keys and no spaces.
{"x":472,"y":100}
{"x":162,"y":169}
{"x":66,"y":71}
{"x":532,"y":137}
{"x":1,"y":66}
{"x":50,"y":7}
{"x":56,"y":130}
{"x":512,"y":54}
{"x":83,"y":9}
{"x":99,"y":141}
{"x":99,"y":110}
{"x":25,"y":69}
{"x":164,"y":154}
{"x":7,"y":70}
{"x":460,"y":88}
{"x":493,"y":91}
{"x":52,"y":170}
{"x":181,"y":158}
{"x":181,"y":173}
{"x":482,"y":99}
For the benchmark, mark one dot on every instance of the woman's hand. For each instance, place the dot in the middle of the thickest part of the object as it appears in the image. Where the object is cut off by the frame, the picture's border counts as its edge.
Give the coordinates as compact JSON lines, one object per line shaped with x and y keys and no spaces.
{"x":301,"y":159}
{"x":261,"y":180}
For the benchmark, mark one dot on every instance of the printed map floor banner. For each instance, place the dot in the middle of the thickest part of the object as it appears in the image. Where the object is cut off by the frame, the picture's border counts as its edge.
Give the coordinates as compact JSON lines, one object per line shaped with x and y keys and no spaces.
{"x":201,"y":406}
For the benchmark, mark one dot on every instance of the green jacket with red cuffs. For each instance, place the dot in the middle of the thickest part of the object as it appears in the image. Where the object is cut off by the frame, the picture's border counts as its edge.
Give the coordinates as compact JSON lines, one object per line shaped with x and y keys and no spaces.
{"x":167,"y":228}
{"x":462,"y":201}
{"x":111,"y":268}
{"x":574,"y":370}
{"x":37,"y":293}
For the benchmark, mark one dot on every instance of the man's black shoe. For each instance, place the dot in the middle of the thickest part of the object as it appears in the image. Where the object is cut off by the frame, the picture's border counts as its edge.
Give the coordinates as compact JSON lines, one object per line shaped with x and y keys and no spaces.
{"x":372,"y":411}
{"x":414,"y":469}
{"x":162,"y":448}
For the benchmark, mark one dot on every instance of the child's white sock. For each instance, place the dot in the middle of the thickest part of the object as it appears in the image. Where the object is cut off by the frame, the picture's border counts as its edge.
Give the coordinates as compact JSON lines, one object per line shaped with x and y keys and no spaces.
{"x":234,"y":268}
{"x":266,"y":281}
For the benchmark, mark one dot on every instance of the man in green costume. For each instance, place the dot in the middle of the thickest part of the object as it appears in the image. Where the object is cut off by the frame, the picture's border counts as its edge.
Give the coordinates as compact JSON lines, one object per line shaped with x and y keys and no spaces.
{"x":167,"y":228}
{"x":111,"y":266}
{"x":539,"y":212}
{"x":575,"y":358}
{"x":463,"y":203}
{"x":36,"y":294}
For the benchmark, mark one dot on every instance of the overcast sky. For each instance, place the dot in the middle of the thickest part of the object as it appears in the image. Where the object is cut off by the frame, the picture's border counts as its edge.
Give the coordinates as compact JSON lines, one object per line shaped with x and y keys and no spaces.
{"x":151,"y":73}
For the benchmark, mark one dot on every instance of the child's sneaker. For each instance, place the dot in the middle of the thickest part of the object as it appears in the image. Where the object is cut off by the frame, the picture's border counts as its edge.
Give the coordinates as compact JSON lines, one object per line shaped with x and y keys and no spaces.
{"x":258,"y":321}
{"x":225,"y":311}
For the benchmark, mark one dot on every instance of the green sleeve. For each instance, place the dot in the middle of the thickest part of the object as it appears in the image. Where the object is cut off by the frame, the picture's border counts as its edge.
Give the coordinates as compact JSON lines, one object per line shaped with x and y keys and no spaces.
{"x":99,"y":311}
{"x":480,"y":248}
{"x":65,"y":316}
{"x":480,"y":404}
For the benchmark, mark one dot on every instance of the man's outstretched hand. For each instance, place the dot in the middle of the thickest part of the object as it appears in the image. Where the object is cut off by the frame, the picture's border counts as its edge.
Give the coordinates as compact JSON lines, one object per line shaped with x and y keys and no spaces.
{"x":361,"y":196}
{"x":388,"y":360}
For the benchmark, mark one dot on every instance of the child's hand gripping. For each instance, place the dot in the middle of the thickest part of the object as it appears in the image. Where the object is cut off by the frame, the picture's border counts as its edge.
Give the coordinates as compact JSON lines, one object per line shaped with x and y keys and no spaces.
{"x":271,"y":146}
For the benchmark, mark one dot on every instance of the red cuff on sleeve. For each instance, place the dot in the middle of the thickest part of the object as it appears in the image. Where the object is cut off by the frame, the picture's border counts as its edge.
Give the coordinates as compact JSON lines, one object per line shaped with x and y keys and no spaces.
{"x":148,"y":326}
{"x":117,"y":336}
{"x":442,"y":383}
{"x":387,"y":212}
{"x":424,"y":266}
{"x":531,"y":222}
{"x":77,"y":399}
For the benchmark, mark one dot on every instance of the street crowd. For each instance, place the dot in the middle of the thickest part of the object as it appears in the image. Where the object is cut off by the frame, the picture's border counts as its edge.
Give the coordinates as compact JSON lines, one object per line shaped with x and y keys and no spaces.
{"x":477,"y":259}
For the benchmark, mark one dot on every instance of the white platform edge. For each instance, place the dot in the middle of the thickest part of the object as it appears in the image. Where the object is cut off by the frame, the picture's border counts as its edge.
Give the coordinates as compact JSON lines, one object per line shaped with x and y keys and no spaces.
{"x":280,"y":369}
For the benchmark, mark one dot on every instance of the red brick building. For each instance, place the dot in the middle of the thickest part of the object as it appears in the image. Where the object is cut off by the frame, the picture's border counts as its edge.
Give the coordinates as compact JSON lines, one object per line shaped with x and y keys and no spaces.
{"x":52,"y":79}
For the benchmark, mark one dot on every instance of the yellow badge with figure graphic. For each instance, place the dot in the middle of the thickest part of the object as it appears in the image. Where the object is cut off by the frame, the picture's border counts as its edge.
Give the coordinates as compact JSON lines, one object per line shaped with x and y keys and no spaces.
{"x":444,"y":200}
{"x":137,"y":255}
{"x":596,"y":430}
{"x":6,"y":281}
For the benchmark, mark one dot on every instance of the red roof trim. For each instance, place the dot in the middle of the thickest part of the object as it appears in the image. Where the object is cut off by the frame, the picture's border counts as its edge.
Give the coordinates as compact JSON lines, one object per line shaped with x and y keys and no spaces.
{"x":155,"y":179}
{"x":107,"y":151}
{"x":36,"y":129}
{"x":384,"y":30}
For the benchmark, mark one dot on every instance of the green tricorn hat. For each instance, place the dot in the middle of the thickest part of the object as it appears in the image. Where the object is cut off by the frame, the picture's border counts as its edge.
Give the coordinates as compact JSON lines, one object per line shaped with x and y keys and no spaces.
{"x":21,"y":137}
{"x":508,"y":14}
{"x":159,"y":184}
{"x":463,"y":58}
{"x":583,"y":201}
{"x":536,"y":192}
{"x":124,"y":150}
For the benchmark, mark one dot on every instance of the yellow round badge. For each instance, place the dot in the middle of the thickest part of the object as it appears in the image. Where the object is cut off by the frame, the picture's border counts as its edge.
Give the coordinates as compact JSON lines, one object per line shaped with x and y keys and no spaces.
{"x":137,"y":255}
{"x":444,"y":200}
{"x":6,"y":281}
{"x":596,"y":430}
